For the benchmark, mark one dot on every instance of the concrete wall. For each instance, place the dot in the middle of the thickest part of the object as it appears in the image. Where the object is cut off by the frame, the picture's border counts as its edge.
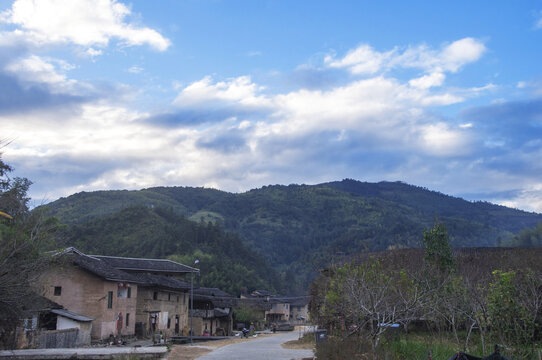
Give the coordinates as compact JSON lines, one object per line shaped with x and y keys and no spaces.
{"x":167,"y":305}
{"x":85,"y":329}
{"x":87,"y":294}
{"x":297,"y":311}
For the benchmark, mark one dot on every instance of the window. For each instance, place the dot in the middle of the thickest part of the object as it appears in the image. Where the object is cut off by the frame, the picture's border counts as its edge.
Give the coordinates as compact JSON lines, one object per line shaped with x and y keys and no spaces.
{"x":155,"y":295}
{"x":127,"y":319}
{"x":122,"y":292}
{"x":58,"y":290}
{"x":110,"y":300}
{"x":129,"y":296}
{"x":168,"y":323}
{"x":168,"y":297}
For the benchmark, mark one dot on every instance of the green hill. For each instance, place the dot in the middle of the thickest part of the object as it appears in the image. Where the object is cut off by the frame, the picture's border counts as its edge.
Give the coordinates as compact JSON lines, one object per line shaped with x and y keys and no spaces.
{"x":299,"y":228}
{"x":141,"y":231}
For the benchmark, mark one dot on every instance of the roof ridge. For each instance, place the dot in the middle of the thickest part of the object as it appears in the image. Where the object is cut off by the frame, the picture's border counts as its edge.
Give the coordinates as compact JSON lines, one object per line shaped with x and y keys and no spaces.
{"x":134,"y":258}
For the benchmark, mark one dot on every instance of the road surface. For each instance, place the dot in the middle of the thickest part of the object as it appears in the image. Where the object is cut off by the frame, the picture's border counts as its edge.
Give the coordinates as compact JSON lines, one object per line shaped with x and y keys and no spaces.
{"x":264,"y":348}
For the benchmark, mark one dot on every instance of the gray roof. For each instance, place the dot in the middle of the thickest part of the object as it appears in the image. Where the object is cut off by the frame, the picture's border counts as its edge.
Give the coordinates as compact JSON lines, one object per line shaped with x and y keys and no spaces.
{"x":142,"y":264}
{"x":215,"y":296}
{"x":71,"y":315}
{"x":145,"y":279}
{"x":102,"y":266}
{"x":102,"y":269}
{"x":292,"y":300}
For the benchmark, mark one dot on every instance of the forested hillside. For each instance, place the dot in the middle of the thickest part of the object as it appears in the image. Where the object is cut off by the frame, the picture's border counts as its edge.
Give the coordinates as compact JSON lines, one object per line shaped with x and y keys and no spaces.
{"x":300,"y":228}
{"x":141,"y":231}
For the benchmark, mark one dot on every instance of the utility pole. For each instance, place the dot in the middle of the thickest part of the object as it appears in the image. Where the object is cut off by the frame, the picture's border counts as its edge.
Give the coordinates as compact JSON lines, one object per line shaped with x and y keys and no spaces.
{"x":191,"y":332}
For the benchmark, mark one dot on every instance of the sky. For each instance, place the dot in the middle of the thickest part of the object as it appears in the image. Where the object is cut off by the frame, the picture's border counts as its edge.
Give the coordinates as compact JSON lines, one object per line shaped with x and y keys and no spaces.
{"x":236,"y":95}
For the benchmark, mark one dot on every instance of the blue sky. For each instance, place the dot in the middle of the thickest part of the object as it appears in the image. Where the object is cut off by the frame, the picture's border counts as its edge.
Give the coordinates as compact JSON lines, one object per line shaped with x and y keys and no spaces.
{"x":239,"y":94}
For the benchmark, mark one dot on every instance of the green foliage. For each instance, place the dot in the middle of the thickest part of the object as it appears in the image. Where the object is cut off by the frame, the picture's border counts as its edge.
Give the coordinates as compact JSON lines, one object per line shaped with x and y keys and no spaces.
{"x":511,"y":321}
{"x":246,"y":314}
{"x":527,"y":238}
{"x":142,"y":231}
{"x":298,"y":228}
{"x":438,"y":251}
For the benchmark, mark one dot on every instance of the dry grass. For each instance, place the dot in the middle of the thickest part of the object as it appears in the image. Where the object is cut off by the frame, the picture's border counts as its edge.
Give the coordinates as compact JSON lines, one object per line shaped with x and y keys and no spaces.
{"x":305,"y":343}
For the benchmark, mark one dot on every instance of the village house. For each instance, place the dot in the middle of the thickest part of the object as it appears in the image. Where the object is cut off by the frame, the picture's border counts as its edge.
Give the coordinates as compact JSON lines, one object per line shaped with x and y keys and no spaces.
{"x":213,"y":312}
{"x":118,"y":293}
{"x":163,"y":297}
{"x":286,"y":310}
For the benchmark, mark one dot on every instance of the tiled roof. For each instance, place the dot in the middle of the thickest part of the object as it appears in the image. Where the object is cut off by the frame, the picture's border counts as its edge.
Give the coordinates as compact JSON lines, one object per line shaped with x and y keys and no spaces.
{"x":102,"y":267}
{"x":145,"y":279}
{"x":71,"y":315}
{"x":142,"y":264}
{"x":292,"y":300}
{"x":216,"y":296}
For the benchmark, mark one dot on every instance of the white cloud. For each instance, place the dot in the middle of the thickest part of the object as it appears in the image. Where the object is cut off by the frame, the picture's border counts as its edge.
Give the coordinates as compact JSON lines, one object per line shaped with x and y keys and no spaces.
{"x":82,"y":22}
{"x":439,"y":139}
{"x":93,"y":52}
{"x":35,"y":69}
{"x":529,"y":199}
{"x":135,"y":69}
{"x":240,"y":90}
{"x":362,"y":60}
{"x":427,"y":81}
{"x":305,"y":135}
{"x":451,"y":58}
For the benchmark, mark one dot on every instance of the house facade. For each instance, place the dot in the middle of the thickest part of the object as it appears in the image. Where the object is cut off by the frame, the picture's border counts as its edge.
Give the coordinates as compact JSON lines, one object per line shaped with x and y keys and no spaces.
{"x":86,"y":286}
{"x":123,"y":296}
{"x":213,"y":312}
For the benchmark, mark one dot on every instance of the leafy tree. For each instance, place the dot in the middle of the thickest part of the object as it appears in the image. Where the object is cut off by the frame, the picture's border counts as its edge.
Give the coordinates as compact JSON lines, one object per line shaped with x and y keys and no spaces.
{"x":22,"y":234}
{"x":512,"y":316}
{"x":527,"y":238}
{"x":438,"y":251}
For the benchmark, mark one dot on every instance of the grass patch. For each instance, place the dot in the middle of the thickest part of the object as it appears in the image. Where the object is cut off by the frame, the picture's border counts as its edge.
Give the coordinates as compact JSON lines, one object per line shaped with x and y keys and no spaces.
{"x":306,"y":342}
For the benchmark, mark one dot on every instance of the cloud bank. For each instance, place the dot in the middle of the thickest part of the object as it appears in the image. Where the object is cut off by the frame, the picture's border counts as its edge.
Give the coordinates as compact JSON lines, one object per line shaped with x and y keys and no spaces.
{"x":366,"y":114}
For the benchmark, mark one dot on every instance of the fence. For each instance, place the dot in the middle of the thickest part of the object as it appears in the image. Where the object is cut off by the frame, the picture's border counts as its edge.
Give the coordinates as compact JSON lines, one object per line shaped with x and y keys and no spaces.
{"x":52,"y":339}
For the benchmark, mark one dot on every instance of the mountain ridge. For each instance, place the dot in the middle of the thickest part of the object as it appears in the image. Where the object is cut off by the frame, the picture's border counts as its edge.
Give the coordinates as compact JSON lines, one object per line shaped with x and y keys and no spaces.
{"x":299,"y":228}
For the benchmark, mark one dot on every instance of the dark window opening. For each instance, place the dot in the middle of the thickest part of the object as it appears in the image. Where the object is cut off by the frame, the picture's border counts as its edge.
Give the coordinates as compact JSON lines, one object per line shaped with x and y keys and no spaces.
{"x":168,"y":323}
{"x":127,"y":319}
{"x":168,"y":297}
{"x":155,"y":295}
{"x":110,"y":300}
{"x":129,"y":295}
{"x":47,"y":321}
{"x":58,"y":290}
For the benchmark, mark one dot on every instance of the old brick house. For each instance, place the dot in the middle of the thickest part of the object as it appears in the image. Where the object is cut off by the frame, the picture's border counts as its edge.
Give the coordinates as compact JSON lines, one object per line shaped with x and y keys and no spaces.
{"x":163,"y":296}
{"x":120,"y":292}
{"x":213,"y":312}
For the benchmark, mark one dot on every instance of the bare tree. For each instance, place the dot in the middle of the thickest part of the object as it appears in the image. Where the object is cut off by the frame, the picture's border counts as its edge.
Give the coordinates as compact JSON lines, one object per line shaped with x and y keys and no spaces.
{"x":372,"y":300}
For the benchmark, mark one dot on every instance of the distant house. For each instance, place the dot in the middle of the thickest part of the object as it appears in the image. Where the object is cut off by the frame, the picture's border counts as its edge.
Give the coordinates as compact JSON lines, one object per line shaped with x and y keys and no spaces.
{"x":213,"y":312}
{"x":119,"y":292}
{"x":291,"y":309}
{"x":278,"y":309}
